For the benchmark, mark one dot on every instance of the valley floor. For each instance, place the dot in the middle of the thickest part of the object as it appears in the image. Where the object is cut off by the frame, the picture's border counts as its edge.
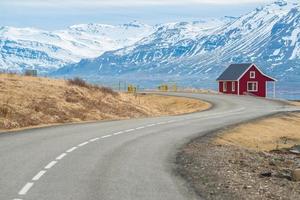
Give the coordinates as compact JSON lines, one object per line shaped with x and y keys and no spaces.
{"x":250,"y":161}
{"x":33,"y":101}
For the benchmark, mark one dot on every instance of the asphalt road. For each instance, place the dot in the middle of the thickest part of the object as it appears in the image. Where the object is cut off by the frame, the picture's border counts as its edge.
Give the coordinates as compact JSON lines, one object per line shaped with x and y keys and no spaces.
{"x":117,"y":160}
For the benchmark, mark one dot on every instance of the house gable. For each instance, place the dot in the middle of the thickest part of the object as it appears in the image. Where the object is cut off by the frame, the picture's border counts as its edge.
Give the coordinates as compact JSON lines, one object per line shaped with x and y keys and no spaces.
{"x":251,"y":68}
{"x":253,"y":85}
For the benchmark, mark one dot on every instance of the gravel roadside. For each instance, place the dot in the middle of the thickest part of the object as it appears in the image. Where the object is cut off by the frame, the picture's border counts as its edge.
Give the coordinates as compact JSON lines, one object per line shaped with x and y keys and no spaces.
{"x":231,"y":172}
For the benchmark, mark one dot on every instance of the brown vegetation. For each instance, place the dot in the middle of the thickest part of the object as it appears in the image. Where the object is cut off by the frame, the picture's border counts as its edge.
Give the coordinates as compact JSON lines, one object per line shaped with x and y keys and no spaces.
{"x":82,"y":83}
{"x":32,"y":101}
{"x":295,"y":103}
{"x":78,"y":82}
{"x":278,"y":132}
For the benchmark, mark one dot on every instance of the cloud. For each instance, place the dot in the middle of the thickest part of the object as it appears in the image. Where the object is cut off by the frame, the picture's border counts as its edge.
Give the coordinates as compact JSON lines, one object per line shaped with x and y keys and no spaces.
{"x":121,"y":3}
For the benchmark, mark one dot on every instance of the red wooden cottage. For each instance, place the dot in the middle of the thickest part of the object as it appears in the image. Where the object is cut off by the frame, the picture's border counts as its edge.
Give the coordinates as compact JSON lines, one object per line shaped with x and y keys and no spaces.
{"x":244,"y":79}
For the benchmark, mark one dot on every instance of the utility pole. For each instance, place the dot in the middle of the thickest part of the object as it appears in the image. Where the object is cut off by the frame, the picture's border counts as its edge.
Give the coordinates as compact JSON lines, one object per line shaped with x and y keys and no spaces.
{"x":274,"y":89}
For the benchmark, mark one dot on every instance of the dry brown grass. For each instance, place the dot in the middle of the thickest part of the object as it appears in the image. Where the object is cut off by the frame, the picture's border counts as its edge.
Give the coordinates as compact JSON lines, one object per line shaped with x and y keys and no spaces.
{"x":32,"y":101}
{"x":295,"y":103}
{"x":272,"y":133}
{"x":82,"y":83}
{"x":159,"y":105}
{"x":78,"y":82}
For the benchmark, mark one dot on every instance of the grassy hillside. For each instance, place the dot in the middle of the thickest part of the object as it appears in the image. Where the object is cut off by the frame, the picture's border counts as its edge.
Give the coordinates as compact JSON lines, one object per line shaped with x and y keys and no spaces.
{"x":33,"y":101}
{"x":268,"y":134}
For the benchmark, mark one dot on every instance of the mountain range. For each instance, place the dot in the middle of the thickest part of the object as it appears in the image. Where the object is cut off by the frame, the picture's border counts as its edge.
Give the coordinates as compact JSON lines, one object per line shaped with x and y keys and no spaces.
{"x":31,"y":48}
{"x":190,"y":53}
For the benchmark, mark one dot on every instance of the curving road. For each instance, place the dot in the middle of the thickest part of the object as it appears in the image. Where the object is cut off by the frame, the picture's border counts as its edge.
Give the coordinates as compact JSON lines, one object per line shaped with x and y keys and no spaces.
{"x":116,"y":160}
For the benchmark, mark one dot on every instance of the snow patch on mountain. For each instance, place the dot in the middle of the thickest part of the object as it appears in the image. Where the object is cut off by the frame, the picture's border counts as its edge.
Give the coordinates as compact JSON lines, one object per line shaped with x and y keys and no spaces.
{"x":48,"y":50}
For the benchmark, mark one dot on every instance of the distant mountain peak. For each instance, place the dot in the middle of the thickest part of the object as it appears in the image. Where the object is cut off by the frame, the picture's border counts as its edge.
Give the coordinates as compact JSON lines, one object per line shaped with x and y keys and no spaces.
{"x":281,"y":2}
{"x":22,"y":48}
{"x":89,"y":26}
{"x":135,"y":24}
{"x":230,"y":17}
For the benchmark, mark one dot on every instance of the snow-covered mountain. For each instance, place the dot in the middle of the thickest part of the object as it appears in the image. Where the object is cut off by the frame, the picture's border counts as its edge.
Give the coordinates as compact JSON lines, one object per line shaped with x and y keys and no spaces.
{"x":268,"y":36}
{"x":169,"y":41}
{"x":191,"y":53}
{"x":48,"y":50}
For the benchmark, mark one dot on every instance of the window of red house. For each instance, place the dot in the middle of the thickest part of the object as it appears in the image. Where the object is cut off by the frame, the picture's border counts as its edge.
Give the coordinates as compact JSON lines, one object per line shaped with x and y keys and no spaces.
{"x":252,"y":74}
{"x":252,"y":86}
{"x":233,"y":86}
{"x":224,"y":86}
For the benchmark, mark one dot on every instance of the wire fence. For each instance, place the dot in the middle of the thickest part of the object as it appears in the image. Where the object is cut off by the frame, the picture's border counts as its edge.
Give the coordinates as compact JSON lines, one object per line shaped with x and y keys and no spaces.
{"x":284,"y":89}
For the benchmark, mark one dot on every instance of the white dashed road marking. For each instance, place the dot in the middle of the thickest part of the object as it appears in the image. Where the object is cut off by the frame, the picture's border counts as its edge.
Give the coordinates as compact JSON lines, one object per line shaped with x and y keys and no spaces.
{"x":95,"y":139}
{"x":72,"y":149}
{"x":119,"y":133}
{"x":138,"y":128}
{"x":39,"y":175}
{"x":61,"y":156}
{"x":151,"y":125}
{"x":129,"y":130}
{"x":51,"y":164}
{"x":26,"y":188}
{"x":106,"y":136}
{"x":82,"y":144}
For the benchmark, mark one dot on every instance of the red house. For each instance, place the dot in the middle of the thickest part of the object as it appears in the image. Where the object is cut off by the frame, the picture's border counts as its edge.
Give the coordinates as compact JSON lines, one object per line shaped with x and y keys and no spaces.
{"x":244,"y":79}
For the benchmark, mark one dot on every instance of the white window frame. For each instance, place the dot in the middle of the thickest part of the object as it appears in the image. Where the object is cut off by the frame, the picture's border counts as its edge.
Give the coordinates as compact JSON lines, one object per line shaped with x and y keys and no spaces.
{"x":252,"y":90}
{"x":252,"y":74}
{"x":233,"y":86}
{"x":224,"y":86}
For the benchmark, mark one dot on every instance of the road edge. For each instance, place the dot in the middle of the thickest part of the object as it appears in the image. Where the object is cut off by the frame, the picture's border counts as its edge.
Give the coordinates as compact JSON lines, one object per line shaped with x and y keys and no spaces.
{"x":206,"y":137}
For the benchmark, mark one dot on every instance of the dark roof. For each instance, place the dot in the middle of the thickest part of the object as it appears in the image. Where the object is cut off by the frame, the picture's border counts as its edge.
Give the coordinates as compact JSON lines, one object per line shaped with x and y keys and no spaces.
{"x":234,"y":72}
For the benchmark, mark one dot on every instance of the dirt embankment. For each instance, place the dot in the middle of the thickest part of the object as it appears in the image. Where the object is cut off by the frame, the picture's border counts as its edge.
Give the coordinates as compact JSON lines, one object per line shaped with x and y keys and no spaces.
{"x":30,"y":101}
{"x":250,"y":161}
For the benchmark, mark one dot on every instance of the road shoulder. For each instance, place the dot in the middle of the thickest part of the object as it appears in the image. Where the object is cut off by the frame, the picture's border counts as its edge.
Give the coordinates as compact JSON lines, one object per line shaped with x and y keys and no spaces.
{"x":227,"y":165}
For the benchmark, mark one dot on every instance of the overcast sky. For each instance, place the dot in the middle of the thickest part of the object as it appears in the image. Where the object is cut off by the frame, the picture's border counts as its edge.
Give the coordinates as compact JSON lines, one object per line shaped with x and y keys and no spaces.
{"x":57,"y":14}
